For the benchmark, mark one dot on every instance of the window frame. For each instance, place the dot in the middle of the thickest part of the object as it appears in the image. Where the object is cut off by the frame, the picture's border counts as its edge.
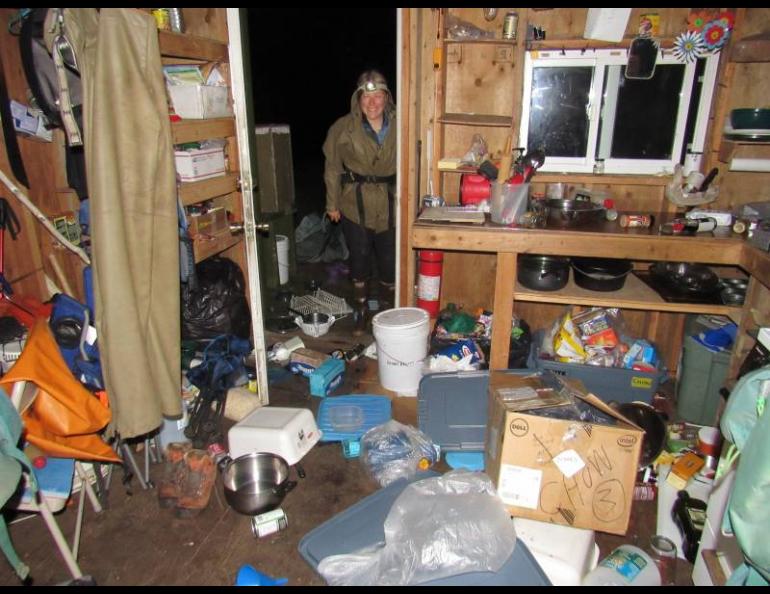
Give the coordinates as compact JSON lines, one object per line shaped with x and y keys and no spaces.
{"x":598,"y":59}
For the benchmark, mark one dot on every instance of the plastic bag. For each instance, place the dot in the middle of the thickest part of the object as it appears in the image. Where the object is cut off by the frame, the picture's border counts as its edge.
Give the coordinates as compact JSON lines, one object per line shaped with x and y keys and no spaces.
{"x":392,"y":451}
{"x":476,"y":151}
{"x":218,"y":305}
{"x":438,"y":527}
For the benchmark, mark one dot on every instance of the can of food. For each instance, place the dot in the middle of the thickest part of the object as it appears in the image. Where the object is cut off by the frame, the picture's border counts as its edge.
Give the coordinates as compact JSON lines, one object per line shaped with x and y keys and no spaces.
{"x":510,"y":24}
{"x":635,"y":220}
{"x":269,"y":523}
{"x":644,"y":492}
{"x":739,"y":226}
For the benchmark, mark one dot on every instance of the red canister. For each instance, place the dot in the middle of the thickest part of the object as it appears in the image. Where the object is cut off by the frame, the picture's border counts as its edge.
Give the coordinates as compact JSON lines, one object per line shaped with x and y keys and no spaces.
{"x":474,"y":188}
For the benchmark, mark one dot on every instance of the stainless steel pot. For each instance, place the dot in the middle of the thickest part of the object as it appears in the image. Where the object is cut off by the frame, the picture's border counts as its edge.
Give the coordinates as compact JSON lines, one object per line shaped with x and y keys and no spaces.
{"x":256,"y":483}
{"x":573,"y":213}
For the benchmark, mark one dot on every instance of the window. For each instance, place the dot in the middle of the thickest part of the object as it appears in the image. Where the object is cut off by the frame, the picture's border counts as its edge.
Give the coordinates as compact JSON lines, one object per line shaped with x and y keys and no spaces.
{"x":579,"y":107}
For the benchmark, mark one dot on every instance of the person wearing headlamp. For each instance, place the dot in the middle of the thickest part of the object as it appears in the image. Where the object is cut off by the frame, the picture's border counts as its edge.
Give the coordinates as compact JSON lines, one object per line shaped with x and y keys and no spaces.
{"x":360,"y":177}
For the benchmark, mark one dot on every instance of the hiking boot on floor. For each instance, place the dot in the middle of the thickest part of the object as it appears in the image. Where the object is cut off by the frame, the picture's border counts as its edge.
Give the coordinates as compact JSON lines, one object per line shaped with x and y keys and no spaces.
{"x":174,"y":470}
{"x":360,"y":319}
{"x":201,"y":473}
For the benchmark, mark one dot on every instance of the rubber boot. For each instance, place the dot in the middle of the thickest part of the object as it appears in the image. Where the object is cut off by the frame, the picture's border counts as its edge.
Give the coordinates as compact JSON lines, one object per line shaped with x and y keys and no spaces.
{"x":387,"y":295}
{"x":173,"y":476}
{"x":198,"y":484}
{"x":360,"y":309}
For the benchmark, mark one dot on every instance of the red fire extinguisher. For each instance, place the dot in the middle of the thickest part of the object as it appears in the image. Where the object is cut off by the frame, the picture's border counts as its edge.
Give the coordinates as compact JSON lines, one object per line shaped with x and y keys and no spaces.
{"x":429,"y":281}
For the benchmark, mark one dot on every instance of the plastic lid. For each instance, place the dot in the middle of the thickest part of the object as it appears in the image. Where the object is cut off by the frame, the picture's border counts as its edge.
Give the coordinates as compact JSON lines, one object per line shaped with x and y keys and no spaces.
{"x":401,"y":317}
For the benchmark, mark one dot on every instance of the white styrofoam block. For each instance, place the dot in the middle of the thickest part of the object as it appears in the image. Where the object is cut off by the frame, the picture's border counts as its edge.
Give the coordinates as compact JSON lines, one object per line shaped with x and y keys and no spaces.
{"x":565,"y":554}
{"x":286,"y":432}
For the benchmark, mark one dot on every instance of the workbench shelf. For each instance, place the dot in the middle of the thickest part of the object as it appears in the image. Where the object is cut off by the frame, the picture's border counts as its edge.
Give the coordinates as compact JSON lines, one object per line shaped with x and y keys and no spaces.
{"x":635,"y":294}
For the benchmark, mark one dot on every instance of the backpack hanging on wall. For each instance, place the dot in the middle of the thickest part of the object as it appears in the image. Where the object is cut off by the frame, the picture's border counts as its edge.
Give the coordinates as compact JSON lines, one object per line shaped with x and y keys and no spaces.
{"x":45,"y":81}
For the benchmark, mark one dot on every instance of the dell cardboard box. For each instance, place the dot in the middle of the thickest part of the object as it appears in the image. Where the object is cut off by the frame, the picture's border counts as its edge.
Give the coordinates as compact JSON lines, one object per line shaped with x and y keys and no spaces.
{"x":559,"y":454}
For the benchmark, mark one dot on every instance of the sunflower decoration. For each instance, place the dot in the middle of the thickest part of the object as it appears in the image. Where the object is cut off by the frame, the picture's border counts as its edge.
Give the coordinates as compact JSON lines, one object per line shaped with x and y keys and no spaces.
{"x":715,"y":35}
{"x":697,"y":20}
{"x":689,"y":46}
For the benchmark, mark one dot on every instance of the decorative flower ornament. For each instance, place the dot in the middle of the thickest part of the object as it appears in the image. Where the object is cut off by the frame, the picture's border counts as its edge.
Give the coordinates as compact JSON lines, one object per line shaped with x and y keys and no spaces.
{"x":728,"y":19}
{"x":689,"y":46}
{"x":697,"y":20}
{"x":715,"y":35}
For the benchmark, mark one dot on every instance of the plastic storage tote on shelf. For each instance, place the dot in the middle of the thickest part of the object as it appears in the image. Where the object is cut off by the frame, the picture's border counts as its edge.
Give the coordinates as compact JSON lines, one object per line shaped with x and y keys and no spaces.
{"x":362,"y":525}
{"x":608,"y":383}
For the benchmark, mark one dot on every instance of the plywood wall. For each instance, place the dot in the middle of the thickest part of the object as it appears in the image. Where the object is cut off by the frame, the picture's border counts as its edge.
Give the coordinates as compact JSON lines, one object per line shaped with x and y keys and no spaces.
{"x":486,"y":79}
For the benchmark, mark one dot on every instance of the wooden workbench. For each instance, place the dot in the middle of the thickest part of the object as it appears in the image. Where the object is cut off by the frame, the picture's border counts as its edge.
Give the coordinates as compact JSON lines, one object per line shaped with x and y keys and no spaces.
{"x":604,"y":239}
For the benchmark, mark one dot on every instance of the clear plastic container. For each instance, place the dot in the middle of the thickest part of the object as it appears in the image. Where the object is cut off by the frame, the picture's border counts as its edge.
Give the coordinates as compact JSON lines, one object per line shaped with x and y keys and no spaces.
{"x":627,"y":565}
{"x":509,"y":203}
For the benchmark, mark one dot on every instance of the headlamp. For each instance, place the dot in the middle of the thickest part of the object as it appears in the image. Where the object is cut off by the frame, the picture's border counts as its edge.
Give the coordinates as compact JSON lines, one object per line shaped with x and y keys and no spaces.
{"x":371,"y":87}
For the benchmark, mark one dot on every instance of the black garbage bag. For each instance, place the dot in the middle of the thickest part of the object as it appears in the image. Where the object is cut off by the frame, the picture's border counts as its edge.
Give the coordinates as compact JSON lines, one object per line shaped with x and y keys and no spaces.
{"x":218,"y":305}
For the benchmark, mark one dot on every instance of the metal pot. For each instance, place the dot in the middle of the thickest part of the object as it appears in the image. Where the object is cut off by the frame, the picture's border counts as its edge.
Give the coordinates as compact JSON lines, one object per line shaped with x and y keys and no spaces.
{"x":601,"y":274}
{"x":543,"y":273}
{"x":256,"y":483}
{"x":646,"y":417}
{"x":686,"y":278}
{"x":573,"y":213}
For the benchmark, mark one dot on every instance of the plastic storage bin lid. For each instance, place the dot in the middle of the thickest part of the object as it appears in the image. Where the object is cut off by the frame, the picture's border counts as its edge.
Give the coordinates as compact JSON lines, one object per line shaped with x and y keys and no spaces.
{"x":362,"y":525}
{"x":349,"y":417}
{"x":452,"y":408}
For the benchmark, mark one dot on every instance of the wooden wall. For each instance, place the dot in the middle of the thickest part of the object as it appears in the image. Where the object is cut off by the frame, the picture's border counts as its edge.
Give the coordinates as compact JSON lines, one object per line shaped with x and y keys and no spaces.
{"x":488,"y":79}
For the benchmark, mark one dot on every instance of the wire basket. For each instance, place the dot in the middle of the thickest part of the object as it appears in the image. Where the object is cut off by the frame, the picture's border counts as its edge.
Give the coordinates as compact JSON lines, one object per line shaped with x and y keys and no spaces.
{"x":321,"y":302}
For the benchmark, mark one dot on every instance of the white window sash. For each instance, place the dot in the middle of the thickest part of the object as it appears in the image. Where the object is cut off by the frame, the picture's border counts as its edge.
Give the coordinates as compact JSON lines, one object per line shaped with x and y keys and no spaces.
{"x":598,"y":59}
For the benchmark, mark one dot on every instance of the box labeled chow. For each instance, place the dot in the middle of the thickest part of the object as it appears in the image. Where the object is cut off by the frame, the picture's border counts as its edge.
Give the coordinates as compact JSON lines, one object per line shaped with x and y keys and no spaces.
{"x":569,"y":462}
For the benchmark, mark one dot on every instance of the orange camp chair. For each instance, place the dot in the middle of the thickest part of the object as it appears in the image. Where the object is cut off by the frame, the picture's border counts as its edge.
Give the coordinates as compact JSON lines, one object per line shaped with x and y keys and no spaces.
{"x":60,"y":416}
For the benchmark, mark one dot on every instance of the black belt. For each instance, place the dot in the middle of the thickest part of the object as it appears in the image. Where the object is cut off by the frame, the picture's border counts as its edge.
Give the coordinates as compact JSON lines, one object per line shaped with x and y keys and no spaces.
{"x":350,"y":177}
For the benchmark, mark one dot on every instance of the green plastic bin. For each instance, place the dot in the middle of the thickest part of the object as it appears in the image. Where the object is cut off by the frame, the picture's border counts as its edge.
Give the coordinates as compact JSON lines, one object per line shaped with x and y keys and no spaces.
{"x":703,"y":373}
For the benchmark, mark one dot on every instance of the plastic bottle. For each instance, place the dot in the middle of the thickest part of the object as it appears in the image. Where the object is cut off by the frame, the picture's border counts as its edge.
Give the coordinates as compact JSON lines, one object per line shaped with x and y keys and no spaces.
{"x":627,"y":565}
{"x":610,"y":213}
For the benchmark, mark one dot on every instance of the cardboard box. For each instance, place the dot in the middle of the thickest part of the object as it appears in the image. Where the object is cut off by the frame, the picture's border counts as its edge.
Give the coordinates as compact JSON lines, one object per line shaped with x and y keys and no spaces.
{"x":200,"y":102}
{"x":198,"y":164}
{"x":569,"y":472}
{"x":210,"y":223}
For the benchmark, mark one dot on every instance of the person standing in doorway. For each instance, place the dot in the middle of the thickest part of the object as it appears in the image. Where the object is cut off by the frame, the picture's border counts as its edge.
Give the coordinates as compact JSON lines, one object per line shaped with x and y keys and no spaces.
{"x":360,"y":177}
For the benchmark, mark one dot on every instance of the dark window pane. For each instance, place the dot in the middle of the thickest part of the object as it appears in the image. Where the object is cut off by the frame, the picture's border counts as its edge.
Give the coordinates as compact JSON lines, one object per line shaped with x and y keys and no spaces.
{"x":645,"y":122}
{"x":558,"y":122}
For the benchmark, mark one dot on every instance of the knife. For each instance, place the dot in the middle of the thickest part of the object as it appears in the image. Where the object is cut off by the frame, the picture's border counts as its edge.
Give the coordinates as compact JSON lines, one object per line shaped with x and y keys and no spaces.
{"x":709,"y":178}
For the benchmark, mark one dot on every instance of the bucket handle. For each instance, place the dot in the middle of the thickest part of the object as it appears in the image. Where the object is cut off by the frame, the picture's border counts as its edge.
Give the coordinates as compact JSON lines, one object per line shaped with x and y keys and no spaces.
{"x":282,"y":489}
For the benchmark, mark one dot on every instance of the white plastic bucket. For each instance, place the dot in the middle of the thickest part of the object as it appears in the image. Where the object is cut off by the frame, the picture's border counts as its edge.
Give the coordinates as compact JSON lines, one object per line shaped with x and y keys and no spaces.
{"x":282,"y":249}
{"x":402,"y":345}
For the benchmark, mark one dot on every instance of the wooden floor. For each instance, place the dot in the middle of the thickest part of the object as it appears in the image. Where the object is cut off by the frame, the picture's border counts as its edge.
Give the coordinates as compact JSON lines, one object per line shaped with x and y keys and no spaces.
{"x":136,"y":543}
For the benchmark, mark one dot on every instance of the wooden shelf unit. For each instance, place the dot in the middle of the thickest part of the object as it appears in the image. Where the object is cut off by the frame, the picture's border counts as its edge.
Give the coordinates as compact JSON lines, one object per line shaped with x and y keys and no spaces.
{"x":190,"y":47}
{"x":207,"y":189}
{"x":185,"y":48}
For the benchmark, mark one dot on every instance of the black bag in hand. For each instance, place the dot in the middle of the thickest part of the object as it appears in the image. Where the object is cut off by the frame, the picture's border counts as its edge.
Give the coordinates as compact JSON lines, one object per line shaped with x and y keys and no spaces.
{"x":218,"y":305}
